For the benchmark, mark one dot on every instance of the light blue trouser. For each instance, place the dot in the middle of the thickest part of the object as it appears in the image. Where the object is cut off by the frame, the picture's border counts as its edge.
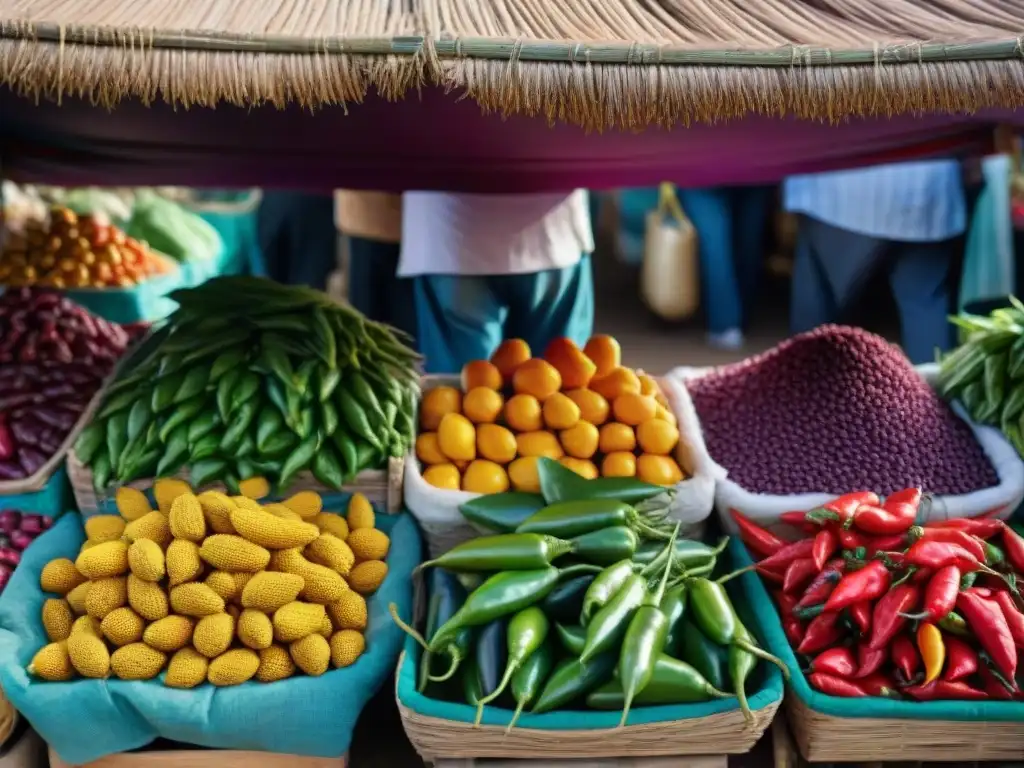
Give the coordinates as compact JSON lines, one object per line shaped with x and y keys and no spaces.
{"x":465,"y":318}
{"x":730,"y":224}
{"x":833,"y":267}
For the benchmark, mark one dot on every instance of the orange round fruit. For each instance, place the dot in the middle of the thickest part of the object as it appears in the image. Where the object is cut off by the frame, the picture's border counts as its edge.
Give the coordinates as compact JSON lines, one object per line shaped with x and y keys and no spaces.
{"x":480,"y":373}
{"x":580,"y":441}
{"x":444,"y":476}
{"x":618,"y":381}
{"x":537,"y":377}
{"x":482,"y":405}
{"x":615,"y":437}
{"x":428,"y":450}
{"x":632,"y":409}
{"x":605,"y":352}
{"x":657,"y":436}
{"x":509,"y":355}
{"x":496,"y":443}
{"x":665,"y":414}
{"x":560,"y":412}
{"x":619,"y":464}
{"x":483,"y":476}
{"x":523,"y":474}
{"x":457,"y":437}
{"x":648,"y":386}
{"x":437,"y":403}
{"x":658,"y":470}
{"x":593,"y":407}
{"x":575,"y":367}
{"x":539,"y":444}
{"x":523,"y":413}
{"x":582,"y":467}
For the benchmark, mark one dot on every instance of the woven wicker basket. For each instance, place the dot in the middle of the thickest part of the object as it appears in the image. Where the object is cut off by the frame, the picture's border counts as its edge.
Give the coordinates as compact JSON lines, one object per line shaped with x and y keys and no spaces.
{"x":182,"y":757}
{"x":383,"y":487}
{"x":8,"y":718}
{"x":723,"y":733}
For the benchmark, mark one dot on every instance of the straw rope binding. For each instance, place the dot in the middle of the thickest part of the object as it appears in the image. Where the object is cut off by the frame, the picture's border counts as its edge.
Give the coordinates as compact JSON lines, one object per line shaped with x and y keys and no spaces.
{"x":599,"y":63}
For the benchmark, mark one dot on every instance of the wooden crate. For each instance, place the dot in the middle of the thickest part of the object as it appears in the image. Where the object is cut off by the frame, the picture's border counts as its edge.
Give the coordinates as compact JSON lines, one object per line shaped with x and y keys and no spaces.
{"x":710,"y":761}
{"x":203,"y":758}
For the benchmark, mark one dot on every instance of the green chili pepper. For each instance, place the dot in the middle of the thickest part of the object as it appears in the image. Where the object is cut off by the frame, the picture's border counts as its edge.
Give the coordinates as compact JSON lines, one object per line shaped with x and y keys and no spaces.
{"x":559,"y":483}
{"x":353,"y":415}
{"x":565,"y":602}
{"x":706,"y":657}
{"x":994,"y":556}
{"x":446,"y":597}
{"x":644,"y":641}
{"x":471,"y":690}
{"x":685,"y":553}
{"x":673,"y":682}
{"x":530,"y":678}
{"x":490,"y":652}
{"x":955,"y":624}
{"x":505,"y":552}
{"x":673,"y":605}
{"x":741,"y":664}
{"x":609,"y":624}
{"x":967,"y":580}
{"x":458,"y":649}
{"x":569,"y":519}
{"x":471,"y":581}
{"x":605,"y":545}
{"x":527,"y":632}
{"x":572,"y":637}
{"x":502,"y":512}
{"x":603,"y":588}
{"x":573,"y":679}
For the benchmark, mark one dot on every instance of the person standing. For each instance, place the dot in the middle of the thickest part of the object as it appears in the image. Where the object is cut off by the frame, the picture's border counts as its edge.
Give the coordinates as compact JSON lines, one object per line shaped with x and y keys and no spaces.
{"x":490,"y":267}
{"x":904,"y":218}
{"x":296,"y":236}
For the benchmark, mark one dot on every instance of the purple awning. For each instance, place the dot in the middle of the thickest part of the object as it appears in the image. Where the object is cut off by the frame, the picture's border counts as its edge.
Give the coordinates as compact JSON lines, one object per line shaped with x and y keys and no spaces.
{"x":438,"y":142}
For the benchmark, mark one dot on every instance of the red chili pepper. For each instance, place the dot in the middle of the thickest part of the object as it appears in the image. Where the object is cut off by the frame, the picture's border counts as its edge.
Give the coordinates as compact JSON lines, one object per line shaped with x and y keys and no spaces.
{"x":868,"y":583}
{"x":763,"y":542}
{"x":769,"y":575}
{"x":950,"y":536}
{"x":799,"y":520}
{"x":835,"y":661}
{"x":896,"y":515}
{"x":861,"y":615}
{"x":940,"y":595}
{"x":786,"y":603}
{"x":1013,"y":546}
{"x":961,"y":660}
{"x":842,"y":508}
{"x":850,"y":539}
{"x":781,"y":559}
{"x":870,"y":660}
{"x":888,"y":618}
{"x":939,"y":554}
{"x":878,"y":684}
{"x":985,"y":618}
{"x":826,"y":542}
{"x":985,"y":592}
{"x":943,"y":689}
{"x":993,"y":686}
{"x":897,"y":542}
{"x":794,"y":630}
{"x":822,"y":632}
{"x":818,"y":590}
{"x":1014,"y":618}
{"x":980,"y":527}
{"x":836,"y":686}
{"x":798,"y":574}
{"x":904,"y":657}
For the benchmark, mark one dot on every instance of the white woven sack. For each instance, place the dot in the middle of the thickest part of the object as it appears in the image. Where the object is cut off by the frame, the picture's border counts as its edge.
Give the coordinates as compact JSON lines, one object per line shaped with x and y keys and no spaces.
{"x":1004,"y":497}
{"x":437,"y":510}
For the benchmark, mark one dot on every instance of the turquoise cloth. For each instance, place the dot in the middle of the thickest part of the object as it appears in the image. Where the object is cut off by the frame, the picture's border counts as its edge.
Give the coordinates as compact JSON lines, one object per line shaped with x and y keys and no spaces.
{"x":989,"y":268}
{"x":764,"y":688}
{"x":771,"y":625}
{"x":463,"y":318}
{"x":52,"y":500}
{"x":242,"y":254}
{"x":85,"y":720}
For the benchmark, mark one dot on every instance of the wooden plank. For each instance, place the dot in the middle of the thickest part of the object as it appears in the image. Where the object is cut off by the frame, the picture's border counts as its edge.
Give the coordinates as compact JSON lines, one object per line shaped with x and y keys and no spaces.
{"x":203,"y":758}
{"x":704,"y":761}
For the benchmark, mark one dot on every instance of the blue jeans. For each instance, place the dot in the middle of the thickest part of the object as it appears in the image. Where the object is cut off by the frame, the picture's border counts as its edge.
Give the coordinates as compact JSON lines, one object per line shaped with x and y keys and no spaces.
{"x":297,"y":238}
{"x":374,"y":287}
{"x":730,"y":223}
{"x":466,"y":318}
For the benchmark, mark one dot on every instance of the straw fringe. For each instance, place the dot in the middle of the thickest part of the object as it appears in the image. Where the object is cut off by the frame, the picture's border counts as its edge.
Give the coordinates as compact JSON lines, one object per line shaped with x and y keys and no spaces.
{"x":599,"y":63}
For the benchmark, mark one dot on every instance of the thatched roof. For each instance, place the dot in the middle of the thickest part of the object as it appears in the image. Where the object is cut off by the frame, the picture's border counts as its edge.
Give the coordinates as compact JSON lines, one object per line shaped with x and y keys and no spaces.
{"x":599,"y":63}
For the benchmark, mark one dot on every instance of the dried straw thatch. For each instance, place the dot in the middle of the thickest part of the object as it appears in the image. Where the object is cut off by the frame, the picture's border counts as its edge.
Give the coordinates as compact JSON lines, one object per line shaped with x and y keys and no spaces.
{"x":625,"y":63}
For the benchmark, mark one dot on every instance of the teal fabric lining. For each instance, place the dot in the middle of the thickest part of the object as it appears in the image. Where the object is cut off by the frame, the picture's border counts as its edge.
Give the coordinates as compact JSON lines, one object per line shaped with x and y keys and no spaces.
{"x":771,"y":626}
{"x":764,"y":689}
{"x":85,"y":720}
{"x":52,"y":499}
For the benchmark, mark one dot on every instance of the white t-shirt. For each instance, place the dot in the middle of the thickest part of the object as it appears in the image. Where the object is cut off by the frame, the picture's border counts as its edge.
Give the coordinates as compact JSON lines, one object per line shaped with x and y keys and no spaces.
{"x":446,"y":233}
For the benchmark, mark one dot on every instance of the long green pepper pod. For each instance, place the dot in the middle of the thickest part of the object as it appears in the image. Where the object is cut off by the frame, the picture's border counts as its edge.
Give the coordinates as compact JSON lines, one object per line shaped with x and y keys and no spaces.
{"x":527,"y":631}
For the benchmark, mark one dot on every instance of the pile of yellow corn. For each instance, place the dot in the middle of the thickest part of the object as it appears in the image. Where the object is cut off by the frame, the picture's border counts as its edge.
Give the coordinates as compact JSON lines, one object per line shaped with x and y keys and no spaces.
{"x":213,"y":588}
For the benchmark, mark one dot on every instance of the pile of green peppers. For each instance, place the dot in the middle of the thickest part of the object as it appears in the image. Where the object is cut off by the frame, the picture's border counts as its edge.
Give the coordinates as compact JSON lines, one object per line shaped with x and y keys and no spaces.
{"x":582,"y":603}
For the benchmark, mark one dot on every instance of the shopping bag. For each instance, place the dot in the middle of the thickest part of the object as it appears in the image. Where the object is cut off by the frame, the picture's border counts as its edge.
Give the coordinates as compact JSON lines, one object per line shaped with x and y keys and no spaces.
{"x":988,"y":271}
{"x":669,"y":276}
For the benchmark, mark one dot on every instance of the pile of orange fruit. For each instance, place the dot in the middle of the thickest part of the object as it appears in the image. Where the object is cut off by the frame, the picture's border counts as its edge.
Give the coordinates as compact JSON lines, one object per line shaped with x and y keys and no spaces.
{"x":581,"y":407}
{"x":72,"y":251}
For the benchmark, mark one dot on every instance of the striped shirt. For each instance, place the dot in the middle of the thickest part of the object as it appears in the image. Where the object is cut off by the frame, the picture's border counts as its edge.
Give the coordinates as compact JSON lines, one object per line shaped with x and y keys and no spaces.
{"x":916,"y":202}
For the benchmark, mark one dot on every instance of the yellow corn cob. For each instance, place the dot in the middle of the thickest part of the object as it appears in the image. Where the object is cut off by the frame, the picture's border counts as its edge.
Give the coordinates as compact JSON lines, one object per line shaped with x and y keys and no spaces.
{"x":57,"y":619}
{"x":360,"y":512}
{"x":307,"y":504}
{"x":60,"y":576}
{"x":166,"y":490}
{"x":367,"y":576}
{"x":369,"y":544}
{"x":152,"y":526}
{"x":335,"y":525}
{"x":187,"y":669}
{"x":267,"y":591}
{"x":296,"y":620}
{"x":275,"y":664}
{"x":255,"y":630}
{"x":52,"y":663}
{"x":272,"y":532}
{"x":195,"y":599}
{"x":183,"y":561}
{"x":147,"y":598}
{"x":186,"y":518}
{"x":213,"y":634}
{"x":169,"y":634}
{"x":322,"y":585}
{"x":346,"y":646}
{"x":311,"y":654}
{"x":107,"y":559}
{"x":233,"y":668}
{"x":233,"y":553}
{"x":100,"y":528}
{"x":146,"y":560}
{"x":349,"y":612}
{"x":137,"y":662}
{"x":131,"y":503}
{"x":105,"y":595}
{"x":122,"y":626}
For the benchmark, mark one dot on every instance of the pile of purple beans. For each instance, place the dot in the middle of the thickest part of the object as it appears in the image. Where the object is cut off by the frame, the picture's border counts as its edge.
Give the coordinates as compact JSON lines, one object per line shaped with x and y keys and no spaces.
{"x":17,"y":530}
{"x":836,"y":410}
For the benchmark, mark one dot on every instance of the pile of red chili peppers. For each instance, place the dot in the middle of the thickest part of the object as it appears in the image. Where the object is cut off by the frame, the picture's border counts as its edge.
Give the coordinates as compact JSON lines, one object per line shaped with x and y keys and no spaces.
{"x":880,"y":606}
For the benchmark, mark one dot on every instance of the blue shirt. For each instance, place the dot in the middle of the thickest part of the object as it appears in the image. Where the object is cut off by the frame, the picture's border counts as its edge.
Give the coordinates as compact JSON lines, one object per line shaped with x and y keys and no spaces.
{"x":917,"y":202}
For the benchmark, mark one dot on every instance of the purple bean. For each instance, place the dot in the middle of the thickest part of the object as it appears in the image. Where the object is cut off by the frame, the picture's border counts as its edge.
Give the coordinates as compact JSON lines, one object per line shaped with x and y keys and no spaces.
{"x":21,"y":540}
{"x":10,"y":557}
{"x":11,"y":470}
{"x":31,"y":460}
{"x":32,"y":524}
{"x":10,"y":519}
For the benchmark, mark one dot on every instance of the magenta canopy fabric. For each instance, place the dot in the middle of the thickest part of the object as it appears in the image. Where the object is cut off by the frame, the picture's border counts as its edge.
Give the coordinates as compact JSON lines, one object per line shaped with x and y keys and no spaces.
{"x":437,"y":141}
